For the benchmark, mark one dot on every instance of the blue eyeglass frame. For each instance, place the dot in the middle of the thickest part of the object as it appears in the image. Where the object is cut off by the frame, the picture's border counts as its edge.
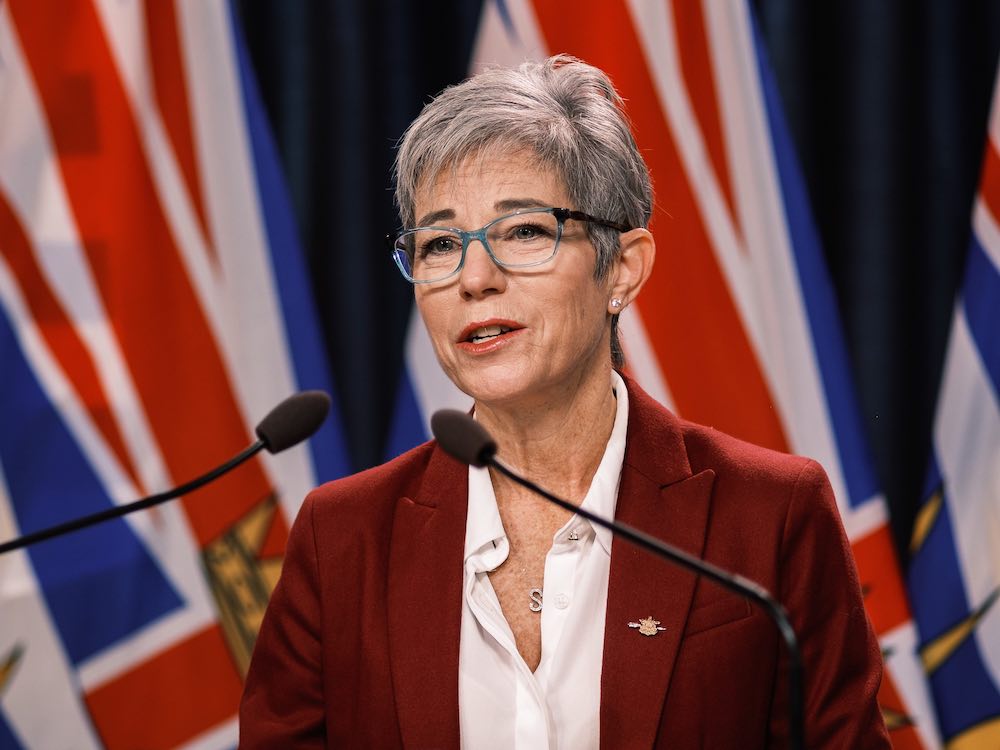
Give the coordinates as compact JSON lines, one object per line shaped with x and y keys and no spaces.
{"x":561,"y":214}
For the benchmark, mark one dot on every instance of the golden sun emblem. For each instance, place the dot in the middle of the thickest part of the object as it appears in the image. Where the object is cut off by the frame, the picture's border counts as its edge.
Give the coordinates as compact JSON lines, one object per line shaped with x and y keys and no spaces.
{"x":647,"y":626}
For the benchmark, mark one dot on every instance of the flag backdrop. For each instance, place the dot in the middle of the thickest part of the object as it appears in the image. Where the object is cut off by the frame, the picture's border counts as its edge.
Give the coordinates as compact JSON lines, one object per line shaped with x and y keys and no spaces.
{"x":737,"y":327}
{"x":954,"y":573}
{"x":153,"y":307}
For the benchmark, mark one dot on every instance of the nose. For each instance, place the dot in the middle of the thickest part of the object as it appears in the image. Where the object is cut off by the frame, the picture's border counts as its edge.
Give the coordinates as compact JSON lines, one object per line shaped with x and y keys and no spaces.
{"x":480,"y":276}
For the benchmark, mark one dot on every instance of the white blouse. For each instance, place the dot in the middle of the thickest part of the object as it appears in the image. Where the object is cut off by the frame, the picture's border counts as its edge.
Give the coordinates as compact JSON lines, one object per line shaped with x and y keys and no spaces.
{"x":502,"y":704}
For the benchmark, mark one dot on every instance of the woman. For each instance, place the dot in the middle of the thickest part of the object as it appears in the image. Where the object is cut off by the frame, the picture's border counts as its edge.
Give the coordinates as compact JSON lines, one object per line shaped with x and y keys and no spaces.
{"x":427,"y":604}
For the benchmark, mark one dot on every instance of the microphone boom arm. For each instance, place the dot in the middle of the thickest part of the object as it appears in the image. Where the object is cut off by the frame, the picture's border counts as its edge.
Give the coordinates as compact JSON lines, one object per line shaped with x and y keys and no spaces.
{"x":121,"y":510}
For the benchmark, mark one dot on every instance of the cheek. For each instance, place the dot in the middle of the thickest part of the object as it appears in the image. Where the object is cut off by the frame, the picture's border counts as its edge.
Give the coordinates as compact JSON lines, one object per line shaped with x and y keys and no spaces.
{"x":434,"y":315}
{"x":580,"y":305}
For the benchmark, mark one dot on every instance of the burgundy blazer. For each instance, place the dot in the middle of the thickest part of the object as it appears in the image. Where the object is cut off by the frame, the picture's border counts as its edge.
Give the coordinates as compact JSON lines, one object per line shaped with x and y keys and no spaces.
{"x":360,"y":643}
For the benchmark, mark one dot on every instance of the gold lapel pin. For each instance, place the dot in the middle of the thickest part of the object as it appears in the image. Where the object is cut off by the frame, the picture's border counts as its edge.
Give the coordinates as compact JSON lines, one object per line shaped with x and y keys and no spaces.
{"x":647,"y":626}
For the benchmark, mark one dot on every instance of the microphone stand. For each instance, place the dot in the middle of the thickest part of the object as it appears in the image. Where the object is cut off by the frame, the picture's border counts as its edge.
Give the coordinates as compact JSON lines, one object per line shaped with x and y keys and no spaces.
{"x":289,"y":423}
{"x":732,"y":581}
{"x":121,"y":510}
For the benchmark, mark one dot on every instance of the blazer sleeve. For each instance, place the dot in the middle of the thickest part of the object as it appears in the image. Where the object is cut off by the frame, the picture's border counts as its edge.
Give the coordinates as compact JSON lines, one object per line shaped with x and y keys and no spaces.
{"x":282,"y":703}
{"x":842,"y":662}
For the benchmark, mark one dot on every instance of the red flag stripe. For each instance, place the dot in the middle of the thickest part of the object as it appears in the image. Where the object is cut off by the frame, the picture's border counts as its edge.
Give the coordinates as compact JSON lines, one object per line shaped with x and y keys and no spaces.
{"x":170,"y":84}
{"x":59,"y":333}
{"x":885,"y":598}
{"x":699,"y":79}
{"x":155,"y":313}
{"x":697,"y":331}
{"x":131,"y":711}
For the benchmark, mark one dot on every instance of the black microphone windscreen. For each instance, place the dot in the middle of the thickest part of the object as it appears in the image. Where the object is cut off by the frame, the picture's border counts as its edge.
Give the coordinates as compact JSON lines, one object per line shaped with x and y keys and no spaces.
{"x":293,"y":420}
{"x":463,"y":437}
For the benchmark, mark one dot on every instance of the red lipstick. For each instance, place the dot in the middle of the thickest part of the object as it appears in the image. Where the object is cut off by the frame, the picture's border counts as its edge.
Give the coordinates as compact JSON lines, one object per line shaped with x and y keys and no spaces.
{"x":486,"y":336}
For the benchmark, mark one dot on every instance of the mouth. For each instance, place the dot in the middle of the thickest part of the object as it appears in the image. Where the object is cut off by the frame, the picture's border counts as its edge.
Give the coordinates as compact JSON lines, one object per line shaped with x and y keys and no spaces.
{"x":487,"y":332}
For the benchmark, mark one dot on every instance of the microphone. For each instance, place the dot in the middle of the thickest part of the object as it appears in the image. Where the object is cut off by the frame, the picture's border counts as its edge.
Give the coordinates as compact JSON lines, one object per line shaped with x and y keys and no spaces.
{"x":287,"y":424}
{"x":464,"y":438}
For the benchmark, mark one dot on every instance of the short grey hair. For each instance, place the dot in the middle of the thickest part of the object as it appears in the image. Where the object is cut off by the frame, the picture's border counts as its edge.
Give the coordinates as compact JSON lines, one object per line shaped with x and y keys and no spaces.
{"x":564,"y":111}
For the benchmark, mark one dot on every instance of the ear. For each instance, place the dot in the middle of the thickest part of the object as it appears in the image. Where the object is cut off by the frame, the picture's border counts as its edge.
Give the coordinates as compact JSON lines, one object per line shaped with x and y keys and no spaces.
{"x":632,"y":267}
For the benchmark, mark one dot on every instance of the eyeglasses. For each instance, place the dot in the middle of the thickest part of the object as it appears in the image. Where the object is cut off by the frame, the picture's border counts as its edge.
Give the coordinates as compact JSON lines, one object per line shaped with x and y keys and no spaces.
{"x":524,"y":238}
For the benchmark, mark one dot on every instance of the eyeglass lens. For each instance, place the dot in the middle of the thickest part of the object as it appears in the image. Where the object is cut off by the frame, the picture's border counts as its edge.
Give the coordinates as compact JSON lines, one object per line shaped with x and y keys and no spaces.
{"x":518,"y":240}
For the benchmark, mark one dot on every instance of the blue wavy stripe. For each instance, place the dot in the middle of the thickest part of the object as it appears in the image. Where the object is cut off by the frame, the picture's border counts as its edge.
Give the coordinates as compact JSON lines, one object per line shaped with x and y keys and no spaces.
{"x":100,"y":584}
{"x":935,"y":578}
{"x":818,"y":296}
{"x":407,"y":429}
{"x":329,"y":451}
{"x":8,"y":740}
{"x":508,"y":21}
{"x":981,"y":302}
{"x":963,"y":692}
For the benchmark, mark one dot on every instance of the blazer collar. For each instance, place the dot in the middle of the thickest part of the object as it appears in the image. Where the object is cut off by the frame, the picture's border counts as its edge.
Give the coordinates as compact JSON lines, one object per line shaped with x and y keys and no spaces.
{"x":425,"y":604}
{"x":660,"y":496}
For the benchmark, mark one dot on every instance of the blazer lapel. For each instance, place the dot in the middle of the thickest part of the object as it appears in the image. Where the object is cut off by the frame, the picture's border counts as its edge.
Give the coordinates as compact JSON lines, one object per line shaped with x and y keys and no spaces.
{"x":425,"y":604}
{"x":658,"y":495}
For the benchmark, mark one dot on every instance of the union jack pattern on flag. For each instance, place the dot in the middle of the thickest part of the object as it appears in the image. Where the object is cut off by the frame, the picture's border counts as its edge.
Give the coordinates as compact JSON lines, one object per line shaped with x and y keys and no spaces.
{"x":153,"y":307}
{"x":737,"y":327}
{"x":954,"y":573}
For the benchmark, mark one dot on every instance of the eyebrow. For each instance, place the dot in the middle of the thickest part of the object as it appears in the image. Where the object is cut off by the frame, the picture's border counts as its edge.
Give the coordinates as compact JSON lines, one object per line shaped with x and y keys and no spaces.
{"x":507,"y":205}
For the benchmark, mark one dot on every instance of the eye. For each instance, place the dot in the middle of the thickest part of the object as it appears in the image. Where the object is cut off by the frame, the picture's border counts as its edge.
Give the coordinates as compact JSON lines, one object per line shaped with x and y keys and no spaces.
{"x":437,"y":244}
{"x":529,"y":231}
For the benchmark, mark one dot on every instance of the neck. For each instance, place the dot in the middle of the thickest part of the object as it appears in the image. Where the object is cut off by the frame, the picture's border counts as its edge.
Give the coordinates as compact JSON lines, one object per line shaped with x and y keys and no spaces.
{"x":559,"y":441}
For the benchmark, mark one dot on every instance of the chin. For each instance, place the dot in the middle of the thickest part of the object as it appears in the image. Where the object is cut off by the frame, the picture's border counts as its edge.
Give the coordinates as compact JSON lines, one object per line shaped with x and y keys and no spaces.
{"x":493,"y":387}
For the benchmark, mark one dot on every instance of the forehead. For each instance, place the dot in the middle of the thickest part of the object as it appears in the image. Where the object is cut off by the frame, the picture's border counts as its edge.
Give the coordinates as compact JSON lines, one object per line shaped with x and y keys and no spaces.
{"x":487,"y":183}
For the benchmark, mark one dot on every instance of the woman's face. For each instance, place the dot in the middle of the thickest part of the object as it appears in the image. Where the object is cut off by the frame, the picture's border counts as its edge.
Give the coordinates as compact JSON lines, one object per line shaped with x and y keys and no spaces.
{"x":553,"y":317}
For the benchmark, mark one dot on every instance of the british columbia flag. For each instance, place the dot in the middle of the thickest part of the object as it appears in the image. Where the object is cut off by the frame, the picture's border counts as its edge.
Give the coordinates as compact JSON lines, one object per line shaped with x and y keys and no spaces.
{"x":738,"y":327}
{"x":153,"y":307}
{"x":955,"y":570}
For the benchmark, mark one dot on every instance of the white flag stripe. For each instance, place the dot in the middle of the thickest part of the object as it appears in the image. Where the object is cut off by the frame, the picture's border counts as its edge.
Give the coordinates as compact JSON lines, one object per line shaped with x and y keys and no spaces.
{"x":32,"y":182}
{"x":966,"y":436}
{"x":262,"y":371}
{"x":870,"y":516}
{"x":431,"y":387}
{"x":125,"y":654}
{"x":640,"y":357}
{"x":987,"y":231}
{"x":226,"y":735}
{"x":900,"y":644}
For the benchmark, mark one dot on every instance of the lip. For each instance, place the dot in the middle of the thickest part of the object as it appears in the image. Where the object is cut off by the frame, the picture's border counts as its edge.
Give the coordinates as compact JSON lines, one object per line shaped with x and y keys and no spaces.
{"x":489,"y":345}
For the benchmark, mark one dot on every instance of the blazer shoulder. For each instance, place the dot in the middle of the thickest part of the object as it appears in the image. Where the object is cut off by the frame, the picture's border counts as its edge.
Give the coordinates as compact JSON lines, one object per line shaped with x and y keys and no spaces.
{"x":790,"y":485}
{"x":709,"y":448}
{"x":375,"y":488}
{"x":688,"y":448}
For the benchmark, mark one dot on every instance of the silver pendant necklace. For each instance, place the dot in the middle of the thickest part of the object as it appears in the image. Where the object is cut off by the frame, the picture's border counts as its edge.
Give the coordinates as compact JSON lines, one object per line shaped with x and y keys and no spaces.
{"x":535,"y":597}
